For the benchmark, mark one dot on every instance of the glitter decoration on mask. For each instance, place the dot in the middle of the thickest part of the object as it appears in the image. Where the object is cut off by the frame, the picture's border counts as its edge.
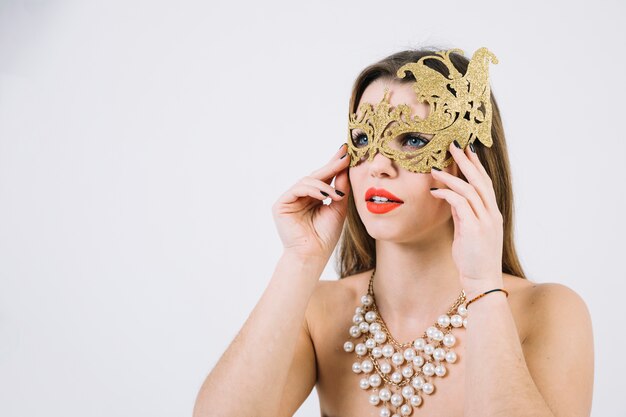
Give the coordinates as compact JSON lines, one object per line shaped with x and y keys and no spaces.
{"x":459,"y":108}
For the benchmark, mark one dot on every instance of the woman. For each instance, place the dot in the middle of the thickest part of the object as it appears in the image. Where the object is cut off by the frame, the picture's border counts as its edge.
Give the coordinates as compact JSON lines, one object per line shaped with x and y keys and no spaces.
{"x":419,"y":245}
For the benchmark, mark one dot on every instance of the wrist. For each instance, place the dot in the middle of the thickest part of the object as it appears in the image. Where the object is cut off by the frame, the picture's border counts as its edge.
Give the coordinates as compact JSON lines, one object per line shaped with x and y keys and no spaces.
{"x":490,"y":295}
{"x":474,"y":287}
{"x":305,"y":259}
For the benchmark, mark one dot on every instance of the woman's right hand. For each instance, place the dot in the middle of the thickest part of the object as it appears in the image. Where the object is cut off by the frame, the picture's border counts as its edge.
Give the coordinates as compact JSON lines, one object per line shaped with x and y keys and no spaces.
{"x":308,"y":227}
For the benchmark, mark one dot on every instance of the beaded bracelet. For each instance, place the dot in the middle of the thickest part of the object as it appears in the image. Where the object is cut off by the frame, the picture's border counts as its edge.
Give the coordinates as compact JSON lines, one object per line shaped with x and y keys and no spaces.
{"x":485,"y":293}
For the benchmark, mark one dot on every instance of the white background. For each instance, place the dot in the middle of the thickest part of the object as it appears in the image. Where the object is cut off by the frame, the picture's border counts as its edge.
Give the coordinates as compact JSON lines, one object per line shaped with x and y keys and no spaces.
{"x":143,"y":143}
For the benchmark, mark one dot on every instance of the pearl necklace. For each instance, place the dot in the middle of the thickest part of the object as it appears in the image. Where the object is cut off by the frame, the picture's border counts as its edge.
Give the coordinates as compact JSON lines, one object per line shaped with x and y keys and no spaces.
{"x":423,"y":359}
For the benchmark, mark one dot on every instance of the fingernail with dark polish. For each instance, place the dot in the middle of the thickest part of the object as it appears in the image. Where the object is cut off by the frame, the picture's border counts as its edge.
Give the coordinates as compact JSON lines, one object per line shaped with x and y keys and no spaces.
{"x":457,"y":144}
{"x":342,"y":145}
{"x":436,"y":169}
{"x":324,"y":194}
{"x":344,"y":155}
{"x":434,"y":188}
{"x":472,"y":147}
{"x":340,"y":193}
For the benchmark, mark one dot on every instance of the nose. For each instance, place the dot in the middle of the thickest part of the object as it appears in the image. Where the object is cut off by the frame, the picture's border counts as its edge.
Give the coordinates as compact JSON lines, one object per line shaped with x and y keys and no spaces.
{"x":380,"y":164}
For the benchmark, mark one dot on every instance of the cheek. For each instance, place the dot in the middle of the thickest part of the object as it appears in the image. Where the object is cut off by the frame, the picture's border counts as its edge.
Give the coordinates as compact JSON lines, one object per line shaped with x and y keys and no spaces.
{"x":418,"y":195}
{"x":356,"y":176}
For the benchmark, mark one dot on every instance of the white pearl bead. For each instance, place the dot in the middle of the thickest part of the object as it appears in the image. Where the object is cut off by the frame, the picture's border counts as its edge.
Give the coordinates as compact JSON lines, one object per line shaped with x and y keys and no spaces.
{"x":388,"y":351}
{"x":440,"y":370}
{"x":407,"y":391}
{"x":431,"y":331}
{"x":444,"y":320}
{"x":375,"y":327}
{"x":385,"y":412}
{"x":465,"y":323}
{"x":377,"y":352}
{"x":462,"y":310}
{"x":439,"y":354}
{"x":348,"y":346}
{"x":357,"y":319}
{"x":370,"y":343}
{"x":360,"y":349}
{"x":407,"y":372}
{"x":396,"y":377}
{"x":449,"y":340}
{"x":409,"y":354}
{"x":385,"y":367}
{"x":405,"y":410}
{"x":367,"y":300}
{"x":396,"y":399}
{"x":380,"y":337}
{"x":375,"y":380}
{"x":364,"y":383}
{"x":415,"y":400}
{"x":397,"y":358}
{"x":364,"y":327}
{"x":367,"y":366}
{"x":456,"y":320}
{"x":358,"y":310}
{"x":417,"y":382}
{"x":428,"y":369}
{"x":428,"y":388}
{"x":419,"y":344}
{"x":418,"y":361}
{"x":451,"y":356}
{"x":429,"y":349}
{"x":374,"y":400}
{"x":356,"y":367}
{"x":438,"y":336}
{"x":370,"y":316}
{"x":385,"y":394}
{"x":355,"y":331}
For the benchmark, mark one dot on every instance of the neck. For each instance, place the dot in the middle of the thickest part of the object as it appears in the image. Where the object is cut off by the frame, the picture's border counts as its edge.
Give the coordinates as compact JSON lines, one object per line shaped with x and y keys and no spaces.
{"x":417,"y":280}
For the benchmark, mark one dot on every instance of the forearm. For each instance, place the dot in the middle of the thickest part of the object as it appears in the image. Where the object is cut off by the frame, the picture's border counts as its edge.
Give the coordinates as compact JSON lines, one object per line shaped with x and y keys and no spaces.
{"x":249,"y":378}
{"x":497,"y":380}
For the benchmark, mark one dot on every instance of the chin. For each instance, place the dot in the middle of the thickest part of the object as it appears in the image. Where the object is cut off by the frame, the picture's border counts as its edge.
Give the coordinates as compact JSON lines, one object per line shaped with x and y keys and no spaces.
{"x":388,"y":229}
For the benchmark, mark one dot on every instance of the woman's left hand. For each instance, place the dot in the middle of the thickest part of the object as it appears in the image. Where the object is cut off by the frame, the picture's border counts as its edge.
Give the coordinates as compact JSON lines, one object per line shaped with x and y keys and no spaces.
{"x":478,"y":234}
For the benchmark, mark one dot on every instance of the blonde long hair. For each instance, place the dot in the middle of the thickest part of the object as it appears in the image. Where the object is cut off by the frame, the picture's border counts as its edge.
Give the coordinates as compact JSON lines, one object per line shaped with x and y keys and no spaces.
{"x":356,"y":251}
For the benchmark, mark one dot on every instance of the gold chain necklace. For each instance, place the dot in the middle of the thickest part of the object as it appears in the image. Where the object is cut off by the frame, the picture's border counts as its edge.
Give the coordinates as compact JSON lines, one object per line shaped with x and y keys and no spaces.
{"x":414,"y":365}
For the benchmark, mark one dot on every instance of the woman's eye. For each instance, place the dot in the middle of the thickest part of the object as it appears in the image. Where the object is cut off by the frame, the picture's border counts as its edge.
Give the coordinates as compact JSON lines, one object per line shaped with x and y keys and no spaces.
{"x":359,"y":139}
{"x":414,"y":141}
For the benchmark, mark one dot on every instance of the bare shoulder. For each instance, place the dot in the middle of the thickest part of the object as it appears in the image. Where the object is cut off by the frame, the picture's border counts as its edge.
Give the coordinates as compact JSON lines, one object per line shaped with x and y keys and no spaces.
{"x":553,"y":305}
{"x":543,"y":295}
{"x":559,"y":314}
{"x":334,"y":298}
{"x":553,"y":294}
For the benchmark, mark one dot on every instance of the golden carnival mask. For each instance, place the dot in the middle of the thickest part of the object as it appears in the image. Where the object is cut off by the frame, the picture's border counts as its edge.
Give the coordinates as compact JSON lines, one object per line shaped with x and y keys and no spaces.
{"x":459,"y":108}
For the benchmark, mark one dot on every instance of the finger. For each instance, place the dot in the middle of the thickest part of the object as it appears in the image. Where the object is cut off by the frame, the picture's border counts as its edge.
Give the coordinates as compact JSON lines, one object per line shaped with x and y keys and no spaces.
{"x":323,"y":187}
{"x":474,"y":177}
{"x":342,"y":182}
{"x":458,"y":203}
{"x":473,"y":156}
{"x":336,"y":164}
{"x":489,"y":196}
{"x":467,"y":191}
{"x":300,"y":190}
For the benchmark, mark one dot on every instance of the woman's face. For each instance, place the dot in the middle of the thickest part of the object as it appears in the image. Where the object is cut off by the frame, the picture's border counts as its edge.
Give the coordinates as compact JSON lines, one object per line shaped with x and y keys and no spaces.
{"x":419,"y":212}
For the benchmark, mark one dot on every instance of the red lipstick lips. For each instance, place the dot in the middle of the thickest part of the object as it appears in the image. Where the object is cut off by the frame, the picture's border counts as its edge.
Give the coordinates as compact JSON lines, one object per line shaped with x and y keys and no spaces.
{"x":381,"y":206}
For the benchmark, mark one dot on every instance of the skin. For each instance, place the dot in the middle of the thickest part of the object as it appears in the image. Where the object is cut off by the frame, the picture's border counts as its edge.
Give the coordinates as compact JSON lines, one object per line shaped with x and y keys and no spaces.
{"x":512,"y":358}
